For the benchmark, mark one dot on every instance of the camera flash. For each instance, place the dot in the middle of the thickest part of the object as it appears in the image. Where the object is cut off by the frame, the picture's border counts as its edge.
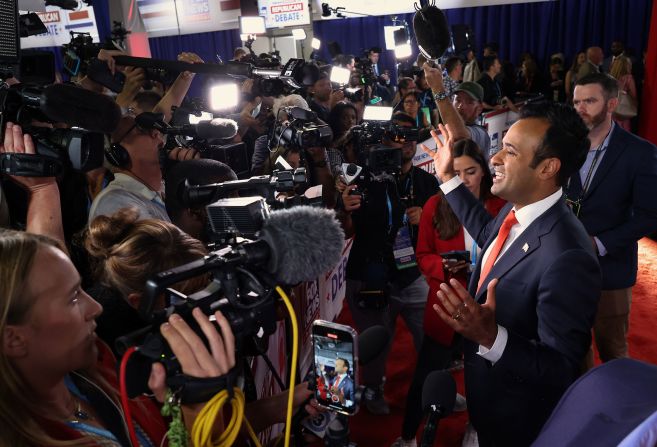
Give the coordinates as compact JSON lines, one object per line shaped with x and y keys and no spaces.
{"x":340,"y":75}
{"x":224,"y":96}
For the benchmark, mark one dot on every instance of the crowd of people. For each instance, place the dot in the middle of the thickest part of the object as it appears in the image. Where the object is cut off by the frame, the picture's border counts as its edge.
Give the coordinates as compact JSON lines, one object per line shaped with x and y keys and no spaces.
{"x":549,"y":225}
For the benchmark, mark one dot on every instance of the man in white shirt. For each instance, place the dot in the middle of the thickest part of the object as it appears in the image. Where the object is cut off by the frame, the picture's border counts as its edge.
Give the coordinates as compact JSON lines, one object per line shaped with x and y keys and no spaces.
{"x":138,"y":178}
{"x":527,"y":316}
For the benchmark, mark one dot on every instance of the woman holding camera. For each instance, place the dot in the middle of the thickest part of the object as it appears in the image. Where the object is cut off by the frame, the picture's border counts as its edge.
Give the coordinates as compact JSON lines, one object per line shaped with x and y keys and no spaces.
{"x":441,"y":232}
{"x":58,"y":383}
{"x":126,"y":253}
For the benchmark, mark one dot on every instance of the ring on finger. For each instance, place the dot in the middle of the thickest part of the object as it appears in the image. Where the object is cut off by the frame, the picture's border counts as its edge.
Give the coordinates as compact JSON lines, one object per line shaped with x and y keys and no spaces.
{"x":457,"y":315}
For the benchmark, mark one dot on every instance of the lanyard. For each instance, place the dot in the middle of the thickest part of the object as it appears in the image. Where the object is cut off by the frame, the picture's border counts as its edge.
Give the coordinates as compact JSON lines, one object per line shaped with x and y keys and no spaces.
{"x":589,"y":175}
{"x":81,"y":426}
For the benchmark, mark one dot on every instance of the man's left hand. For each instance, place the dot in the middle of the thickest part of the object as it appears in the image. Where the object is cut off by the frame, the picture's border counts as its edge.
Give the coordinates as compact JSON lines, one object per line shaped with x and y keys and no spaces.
{"x":462,"y":313}
{"x":414,"y":213}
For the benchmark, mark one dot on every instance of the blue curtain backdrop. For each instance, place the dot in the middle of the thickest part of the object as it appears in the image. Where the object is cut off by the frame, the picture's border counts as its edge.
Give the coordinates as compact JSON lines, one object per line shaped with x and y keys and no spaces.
{"x":541,"y":28}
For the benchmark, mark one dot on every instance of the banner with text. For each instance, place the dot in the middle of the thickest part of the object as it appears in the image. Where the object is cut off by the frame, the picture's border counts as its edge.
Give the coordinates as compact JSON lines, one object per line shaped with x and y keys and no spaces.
{"x":59,"y":24}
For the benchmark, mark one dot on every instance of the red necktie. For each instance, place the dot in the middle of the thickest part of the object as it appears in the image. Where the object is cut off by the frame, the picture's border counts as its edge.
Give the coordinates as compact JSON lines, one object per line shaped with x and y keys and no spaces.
{"x":509,"y":221}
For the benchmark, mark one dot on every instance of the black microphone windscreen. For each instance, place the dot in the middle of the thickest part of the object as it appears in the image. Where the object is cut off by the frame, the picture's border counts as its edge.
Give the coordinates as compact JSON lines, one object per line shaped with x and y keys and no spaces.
{"x":352,"y":169}
{"x":371,"y":342}
{"x":439,"y":392}
{"x":80,"y":107}
{"x":221,"y":128}
{"x":431,"y":32}
{"x":304,"y":241}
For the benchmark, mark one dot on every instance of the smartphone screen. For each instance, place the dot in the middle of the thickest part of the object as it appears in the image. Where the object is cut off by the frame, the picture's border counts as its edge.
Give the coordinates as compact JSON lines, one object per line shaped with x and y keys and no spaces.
{"x":335,"y":359}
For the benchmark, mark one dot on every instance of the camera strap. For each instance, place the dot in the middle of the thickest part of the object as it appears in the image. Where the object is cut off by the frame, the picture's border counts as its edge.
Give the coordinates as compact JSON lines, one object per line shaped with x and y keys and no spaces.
{"x":193,"y":390}
{"x":30,"y":165}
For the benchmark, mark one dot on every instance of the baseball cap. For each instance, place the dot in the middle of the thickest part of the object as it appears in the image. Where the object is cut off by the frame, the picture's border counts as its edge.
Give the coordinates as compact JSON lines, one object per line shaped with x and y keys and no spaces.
{"x":473,"y":89}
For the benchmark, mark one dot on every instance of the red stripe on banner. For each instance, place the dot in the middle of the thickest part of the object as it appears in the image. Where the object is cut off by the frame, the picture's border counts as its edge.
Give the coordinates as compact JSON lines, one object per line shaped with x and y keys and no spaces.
{"x":150,"y":15}
{"x":227,"y":5}
{"x":78,"y":15}
{"x":648,"y":113}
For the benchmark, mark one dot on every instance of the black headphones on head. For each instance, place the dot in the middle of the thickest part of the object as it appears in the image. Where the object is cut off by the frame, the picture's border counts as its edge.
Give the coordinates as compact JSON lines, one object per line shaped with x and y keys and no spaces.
{"x":116,"y":154}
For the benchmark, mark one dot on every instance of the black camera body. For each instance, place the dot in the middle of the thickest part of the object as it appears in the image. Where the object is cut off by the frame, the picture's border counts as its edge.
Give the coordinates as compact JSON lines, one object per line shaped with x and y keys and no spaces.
{"x":303,"y":130}
{"x":56,"y":149}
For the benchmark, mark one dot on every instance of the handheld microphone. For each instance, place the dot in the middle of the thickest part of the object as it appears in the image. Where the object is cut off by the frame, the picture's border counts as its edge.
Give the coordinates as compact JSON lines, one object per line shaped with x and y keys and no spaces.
{"x":438,"y":397}
{"x":431,"y":31}
{"x":350,"y":172}
{"x":79,"y":107}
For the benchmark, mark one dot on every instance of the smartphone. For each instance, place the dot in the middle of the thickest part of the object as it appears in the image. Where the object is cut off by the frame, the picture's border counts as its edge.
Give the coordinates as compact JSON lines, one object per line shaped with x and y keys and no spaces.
{"x":456,"y":255}
{"x":256,"y":110}
{"x":335,"y":350}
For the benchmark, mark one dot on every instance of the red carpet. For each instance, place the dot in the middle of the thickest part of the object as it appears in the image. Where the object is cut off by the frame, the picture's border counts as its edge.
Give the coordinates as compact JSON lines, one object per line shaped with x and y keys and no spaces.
{"x":380,"y":431}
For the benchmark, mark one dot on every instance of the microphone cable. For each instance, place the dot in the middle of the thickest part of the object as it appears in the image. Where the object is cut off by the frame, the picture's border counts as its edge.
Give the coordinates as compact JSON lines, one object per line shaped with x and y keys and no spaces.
{"x":293,"y":364}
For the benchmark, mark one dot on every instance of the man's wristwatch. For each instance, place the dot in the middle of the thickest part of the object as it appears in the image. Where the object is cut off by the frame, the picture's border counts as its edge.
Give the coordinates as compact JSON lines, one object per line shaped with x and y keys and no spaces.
{"x":440,"y":96}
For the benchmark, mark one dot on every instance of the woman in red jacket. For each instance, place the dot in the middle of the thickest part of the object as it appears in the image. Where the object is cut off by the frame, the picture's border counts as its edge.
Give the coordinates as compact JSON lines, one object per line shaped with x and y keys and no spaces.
{"x":440,"y":232}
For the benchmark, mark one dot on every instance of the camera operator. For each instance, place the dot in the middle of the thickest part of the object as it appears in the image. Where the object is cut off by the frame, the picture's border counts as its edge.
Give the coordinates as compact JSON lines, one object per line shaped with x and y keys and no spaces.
{"x":59,"y":383}
{"x":380,"y":285}
{"x":134,"y":153}
{"x":261,"y":152}
{"x":135,"y":78}
{"x":323,"y":98}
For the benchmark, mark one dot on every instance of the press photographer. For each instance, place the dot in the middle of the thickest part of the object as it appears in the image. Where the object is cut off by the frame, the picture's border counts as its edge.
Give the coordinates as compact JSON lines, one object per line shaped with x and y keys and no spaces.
{"x":383,"y":280}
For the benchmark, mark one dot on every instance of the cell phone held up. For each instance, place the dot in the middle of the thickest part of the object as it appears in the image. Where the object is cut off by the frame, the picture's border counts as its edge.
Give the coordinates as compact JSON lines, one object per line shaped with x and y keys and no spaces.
{"x":335,"y":351}
{"x":456,"y":255}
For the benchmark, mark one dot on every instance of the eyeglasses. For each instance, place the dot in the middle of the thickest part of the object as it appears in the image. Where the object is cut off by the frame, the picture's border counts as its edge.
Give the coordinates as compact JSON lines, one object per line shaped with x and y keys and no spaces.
{"x":410,"y":102}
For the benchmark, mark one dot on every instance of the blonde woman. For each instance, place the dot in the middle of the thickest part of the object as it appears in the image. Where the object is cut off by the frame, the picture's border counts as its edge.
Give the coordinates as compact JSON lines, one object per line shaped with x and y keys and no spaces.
{"x":57,"y":381}
{"x":621,"y":69}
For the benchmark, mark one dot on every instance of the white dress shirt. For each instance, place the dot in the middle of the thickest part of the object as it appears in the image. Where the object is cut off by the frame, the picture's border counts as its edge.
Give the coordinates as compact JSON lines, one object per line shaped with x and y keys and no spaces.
{"x":525,"y":216}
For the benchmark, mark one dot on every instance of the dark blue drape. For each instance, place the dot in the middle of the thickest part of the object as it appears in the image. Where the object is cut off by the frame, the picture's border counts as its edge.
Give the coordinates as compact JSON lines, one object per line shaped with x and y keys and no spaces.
{"x":209,"y":46}
{"x":542,"y":28}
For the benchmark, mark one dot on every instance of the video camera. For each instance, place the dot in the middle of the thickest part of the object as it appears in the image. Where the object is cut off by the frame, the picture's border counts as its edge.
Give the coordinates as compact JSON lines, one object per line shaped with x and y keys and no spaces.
{"x":290,"y":246}
{"x":80,"y":147}
{"x":302,"y":130}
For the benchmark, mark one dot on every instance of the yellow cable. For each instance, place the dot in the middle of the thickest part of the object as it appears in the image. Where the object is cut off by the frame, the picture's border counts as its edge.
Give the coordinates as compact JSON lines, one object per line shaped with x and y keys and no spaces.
{"x":205,"y":422}
{"x":293,"y":363}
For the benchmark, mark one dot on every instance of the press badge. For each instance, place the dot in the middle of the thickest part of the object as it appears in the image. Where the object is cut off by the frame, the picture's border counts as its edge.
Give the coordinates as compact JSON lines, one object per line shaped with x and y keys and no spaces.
{"x":402,"y":249}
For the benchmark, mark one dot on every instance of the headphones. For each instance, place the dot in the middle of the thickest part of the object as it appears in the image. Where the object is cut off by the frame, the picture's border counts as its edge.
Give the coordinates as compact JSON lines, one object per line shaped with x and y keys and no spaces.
{"x":116,"y":154}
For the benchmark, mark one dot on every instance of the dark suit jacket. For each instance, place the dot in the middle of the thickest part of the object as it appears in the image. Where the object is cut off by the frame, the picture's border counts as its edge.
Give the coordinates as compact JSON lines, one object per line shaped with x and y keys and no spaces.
{"x":347,"y":388}
{"x":603,"y":406}
{"x":547,"y":296}
{"x":620,"y":206}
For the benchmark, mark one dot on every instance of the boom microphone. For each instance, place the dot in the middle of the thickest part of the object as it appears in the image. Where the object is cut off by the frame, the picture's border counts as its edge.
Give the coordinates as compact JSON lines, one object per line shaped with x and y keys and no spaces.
{"x":304,"y":242}
{"x":218,"y":128}
{"x":438,"y":398}
{"x":431,"y":32}
{"x":79,"y":107}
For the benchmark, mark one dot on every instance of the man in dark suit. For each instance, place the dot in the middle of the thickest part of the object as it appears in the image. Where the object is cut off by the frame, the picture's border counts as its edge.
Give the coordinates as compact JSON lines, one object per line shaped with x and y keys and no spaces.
{"x":537,"y":284}
{"x":613,"y":194}
{"x":343,"y":385}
